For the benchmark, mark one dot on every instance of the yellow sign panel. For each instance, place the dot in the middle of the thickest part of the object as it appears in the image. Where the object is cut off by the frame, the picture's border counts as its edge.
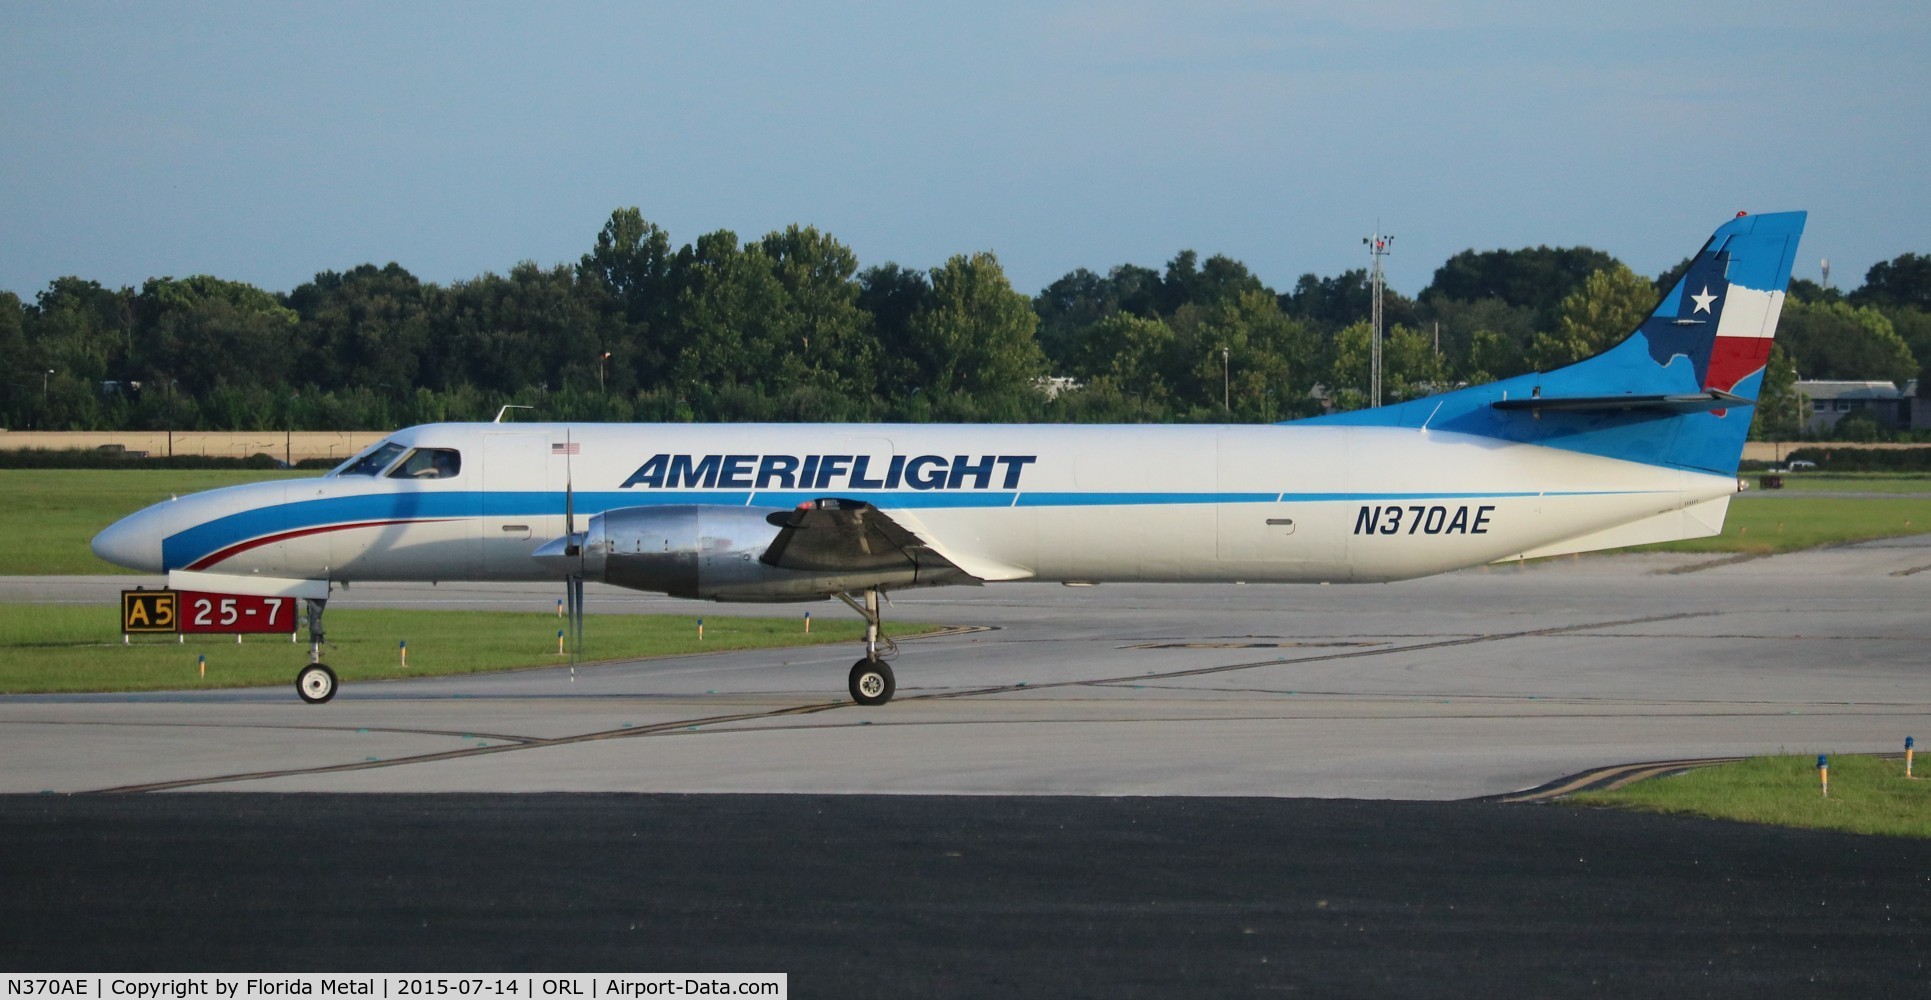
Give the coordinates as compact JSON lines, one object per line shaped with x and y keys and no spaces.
{"x":148,"y":611}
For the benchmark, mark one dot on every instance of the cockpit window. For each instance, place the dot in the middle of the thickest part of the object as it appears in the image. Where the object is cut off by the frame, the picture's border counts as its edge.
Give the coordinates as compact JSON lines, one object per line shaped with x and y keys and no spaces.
{"x":372,"y":463}
{"x":430,"y":463}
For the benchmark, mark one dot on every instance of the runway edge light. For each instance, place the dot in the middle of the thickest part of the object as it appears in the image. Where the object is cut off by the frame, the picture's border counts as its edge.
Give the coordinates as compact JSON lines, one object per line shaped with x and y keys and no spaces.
{"x":1823,"y":773}
{"x":1909,"y":744}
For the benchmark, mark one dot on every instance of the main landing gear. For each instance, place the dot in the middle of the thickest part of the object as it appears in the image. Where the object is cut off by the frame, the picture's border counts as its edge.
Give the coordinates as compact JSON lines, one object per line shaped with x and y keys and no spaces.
{"x":316,"y":683}
{"x":871,"y":679}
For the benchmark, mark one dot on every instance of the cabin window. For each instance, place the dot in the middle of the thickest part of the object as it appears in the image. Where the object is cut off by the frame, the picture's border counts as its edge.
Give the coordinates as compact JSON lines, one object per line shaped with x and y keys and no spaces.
{"x":429,"y":463}
{"x":372,"y":463}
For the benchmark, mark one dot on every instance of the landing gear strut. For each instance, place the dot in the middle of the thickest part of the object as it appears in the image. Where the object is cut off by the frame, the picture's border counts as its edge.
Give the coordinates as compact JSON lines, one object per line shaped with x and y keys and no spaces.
{"x":316,"y":682}
{"x":871,"y":681}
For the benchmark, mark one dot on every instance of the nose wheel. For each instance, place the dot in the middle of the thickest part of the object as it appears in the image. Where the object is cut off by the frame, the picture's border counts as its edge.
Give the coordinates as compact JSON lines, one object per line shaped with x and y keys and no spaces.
{"x":872,"y":682}
{"x":316,"y":683}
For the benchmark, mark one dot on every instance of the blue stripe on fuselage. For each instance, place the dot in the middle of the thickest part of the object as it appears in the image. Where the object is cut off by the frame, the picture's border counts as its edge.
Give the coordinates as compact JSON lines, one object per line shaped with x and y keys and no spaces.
{"x":184,"y":548}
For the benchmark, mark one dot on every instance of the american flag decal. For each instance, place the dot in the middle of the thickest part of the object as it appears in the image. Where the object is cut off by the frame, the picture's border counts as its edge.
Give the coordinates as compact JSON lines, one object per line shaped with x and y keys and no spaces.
{"x":571,"y":448}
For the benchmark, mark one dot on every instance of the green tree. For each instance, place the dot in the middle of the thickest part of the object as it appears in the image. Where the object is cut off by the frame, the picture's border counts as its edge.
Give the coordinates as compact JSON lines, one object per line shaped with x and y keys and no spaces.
{"x":81,"y":330}
{"x":1836,"y":340}
{"x":1914,"y":328}
{"x":632,"y":260}
{"x":975,"y":335}
{"x":1329,"y":303}
{"x":1611,"y":304}
{"x":627,"y":280}
{"x":828,"y":340}
{"x":1131,"y":353}
{"x":1860,"y":426}
{"x":1410,"y":365}
{"x":365,"y":329}
{"x":1781,"y":410}
{"x":1188,"y":282}
{"x":16,"y":369}
{"x":1345,"y":366}
{"x":1810,"y":291}
{"x":1538,"y":278}
{"x":1068,"y":308}
{"x":1491,"y":356}
{"x":1904,"y":280}
{"x":891,"y":295}
{"x":519,"y":337}
{"x":731,"y":318}
{"x":1268,"y":362}
{"x":1485,"y":339}
{"x":202,"y":333}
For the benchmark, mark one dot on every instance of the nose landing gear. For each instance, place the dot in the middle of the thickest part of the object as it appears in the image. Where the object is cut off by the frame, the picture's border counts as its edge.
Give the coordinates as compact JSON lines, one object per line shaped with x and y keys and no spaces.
{"x":316,"y":683}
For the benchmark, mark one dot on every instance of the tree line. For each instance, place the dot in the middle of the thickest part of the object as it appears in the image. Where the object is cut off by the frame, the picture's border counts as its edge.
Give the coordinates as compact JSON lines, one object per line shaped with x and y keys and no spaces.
{"x":789,"y":328}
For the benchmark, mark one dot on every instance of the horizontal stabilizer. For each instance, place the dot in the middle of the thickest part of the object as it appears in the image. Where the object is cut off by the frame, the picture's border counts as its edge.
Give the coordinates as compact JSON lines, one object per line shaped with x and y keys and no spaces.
{"x":1708,"y":401}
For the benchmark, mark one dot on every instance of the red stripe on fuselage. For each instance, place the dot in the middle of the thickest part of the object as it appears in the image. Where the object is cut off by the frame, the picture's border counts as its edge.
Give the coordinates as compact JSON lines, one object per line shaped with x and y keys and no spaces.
{"x":239,"y":547}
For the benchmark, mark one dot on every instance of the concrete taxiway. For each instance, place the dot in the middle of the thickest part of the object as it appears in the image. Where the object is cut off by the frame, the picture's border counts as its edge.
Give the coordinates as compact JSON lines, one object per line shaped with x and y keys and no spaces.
{"x":1475,"y":683}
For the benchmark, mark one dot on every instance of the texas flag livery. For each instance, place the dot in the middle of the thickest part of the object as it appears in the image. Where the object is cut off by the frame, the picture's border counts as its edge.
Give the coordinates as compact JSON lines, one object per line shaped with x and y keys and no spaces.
{"x":1732,"y":290}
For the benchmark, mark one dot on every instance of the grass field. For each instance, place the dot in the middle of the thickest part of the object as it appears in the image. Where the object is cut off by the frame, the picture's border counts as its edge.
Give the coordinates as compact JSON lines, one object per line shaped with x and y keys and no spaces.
{"x":49,"y":648}
{"x":1852,"y":482}
{"x":1867,"y":795}
{"x":50,"y":515}
{"x":1765,"y":524}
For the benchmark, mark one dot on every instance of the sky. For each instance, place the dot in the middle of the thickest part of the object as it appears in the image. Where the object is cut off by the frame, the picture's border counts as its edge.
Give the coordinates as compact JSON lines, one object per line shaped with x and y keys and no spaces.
{"x":266,"y":142}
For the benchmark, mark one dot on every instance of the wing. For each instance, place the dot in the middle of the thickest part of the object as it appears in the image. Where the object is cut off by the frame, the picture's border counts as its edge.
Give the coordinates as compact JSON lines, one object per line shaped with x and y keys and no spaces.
{"x":836,"y":535}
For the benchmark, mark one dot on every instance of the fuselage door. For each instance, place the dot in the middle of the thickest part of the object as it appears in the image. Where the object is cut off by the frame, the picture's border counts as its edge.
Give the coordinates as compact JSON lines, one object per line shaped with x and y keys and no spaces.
{"x":516,"y":500}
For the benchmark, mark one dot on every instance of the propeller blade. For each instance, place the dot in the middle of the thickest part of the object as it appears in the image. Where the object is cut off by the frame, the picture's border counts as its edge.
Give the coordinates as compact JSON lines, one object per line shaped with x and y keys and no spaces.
{"x":571,"y":546}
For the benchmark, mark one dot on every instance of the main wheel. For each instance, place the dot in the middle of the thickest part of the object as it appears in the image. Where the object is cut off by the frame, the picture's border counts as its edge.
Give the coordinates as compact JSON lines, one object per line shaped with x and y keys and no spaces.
{"x":872,"y":682}
{"x":316,"y":683}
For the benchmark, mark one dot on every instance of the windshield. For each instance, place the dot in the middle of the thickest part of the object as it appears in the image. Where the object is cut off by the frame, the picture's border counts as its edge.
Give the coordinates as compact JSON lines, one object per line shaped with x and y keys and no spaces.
{"x":372,"y":463}
{"x":429,"y":463}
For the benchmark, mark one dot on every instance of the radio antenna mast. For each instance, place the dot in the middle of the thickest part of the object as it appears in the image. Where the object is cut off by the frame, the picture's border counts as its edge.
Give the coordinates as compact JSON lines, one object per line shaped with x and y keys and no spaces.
{"x":1378,"y":247}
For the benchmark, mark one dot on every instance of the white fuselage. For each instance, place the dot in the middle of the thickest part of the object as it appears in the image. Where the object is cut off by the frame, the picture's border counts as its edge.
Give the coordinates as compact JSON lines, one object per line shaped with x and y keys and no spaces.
{"x":1003,"y":502}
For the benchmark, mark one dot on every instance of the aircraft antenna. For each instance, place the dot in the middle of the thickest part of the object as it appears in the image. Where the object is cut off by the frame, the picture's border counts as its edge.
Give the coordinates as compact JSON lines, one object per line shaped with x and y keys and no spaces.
{"x":1378,"y":247}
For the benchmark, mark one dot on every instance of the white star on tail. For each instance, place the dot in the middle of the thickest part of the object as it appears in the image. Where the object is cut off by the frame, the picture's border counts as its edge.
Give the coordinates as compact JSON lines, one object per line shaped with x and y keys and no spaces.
{"x":1703,"y":301}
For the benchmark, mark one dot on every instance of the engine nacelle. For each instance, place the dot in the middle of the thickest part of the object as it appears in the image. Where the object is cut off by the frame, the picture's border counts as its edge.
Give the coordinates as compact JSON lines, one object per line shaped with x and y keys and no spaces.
{"x":713,"y":552}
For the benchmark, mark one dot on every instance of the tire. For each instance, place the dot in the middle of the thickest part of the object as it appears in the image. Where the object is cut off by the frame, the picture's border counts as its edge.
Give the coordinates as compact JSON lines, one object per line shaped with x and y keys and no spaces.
{"x":316,"y":683}
{"x":872,"y":682}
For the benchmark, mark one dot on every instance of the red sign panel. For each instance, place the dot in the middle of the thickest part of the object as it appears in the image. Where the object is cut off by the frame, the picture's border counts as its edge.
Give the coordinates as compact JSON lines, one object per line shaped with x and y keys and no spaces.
{"x":199,"y":612}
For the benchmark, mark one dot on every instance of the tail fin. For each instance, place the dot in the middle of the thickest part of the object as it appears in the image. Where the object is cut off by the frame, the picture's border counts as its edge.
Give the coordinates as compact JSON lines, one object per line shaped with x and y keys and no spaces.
{"x":1677,"y":392}
{"x":1723,"y":312}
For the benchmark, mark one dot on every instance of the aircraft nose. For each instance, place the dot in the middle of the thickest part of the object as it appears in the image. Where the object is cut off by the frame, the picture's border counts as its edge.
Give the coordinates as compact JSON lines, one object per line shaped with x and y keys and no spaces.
{"x":130,"y":544}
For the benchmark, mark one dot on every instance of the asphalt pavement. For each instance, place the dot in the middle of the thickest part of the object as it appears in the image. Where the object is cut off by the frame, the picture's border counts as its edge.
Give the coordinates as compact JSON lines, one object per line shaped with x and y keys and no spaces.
{"x":969,"y":896}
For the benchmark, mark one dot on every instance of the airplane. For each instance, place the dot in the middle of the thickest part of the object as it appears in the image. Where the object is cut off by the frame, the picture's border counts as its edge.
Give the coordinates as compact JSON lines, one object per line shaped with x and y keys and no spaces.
{"x":1637,"y":444}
